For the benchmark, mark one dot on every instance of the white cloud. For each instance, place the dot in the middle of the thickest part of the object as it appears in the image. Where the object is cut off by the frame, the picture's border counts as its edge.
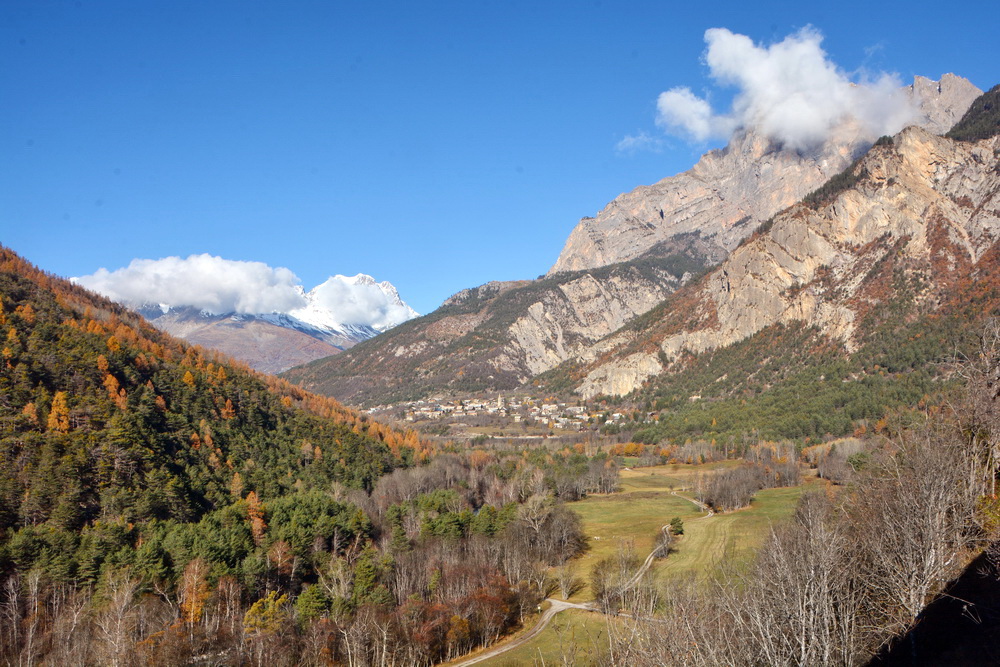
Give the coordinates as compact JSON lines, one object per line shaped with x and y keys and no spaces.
{"x":222,"y":286}
{"x":790,"y":91}
{"x":679,"y":108}
{"x":357,"y":300}
{"x":206,"y":282}
{"x":632,"y":143}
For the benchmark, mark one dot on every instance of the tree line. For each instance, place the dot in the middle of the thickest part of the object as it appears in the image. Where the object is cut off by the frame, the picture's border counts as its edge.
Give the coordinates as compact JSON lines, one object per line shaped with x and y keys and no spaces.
{"x":853,"y":570}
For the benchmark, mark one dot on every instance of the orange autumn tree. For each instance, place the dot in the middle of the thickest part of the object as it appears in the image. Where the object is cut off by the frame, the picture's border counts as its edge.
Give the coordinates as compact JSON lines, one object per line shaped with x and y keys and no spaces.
{"x":193,"y":591}
{"x":255,"y":512}
{"x":59,"y":413}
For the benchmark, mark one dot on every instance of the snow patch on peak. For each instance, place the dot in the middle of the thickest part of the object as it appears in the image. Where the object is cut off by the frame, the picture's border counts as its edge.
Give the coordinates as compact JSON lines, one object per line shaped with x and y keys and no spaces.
{"x":352,"y":307}
{"x":360,"y":279}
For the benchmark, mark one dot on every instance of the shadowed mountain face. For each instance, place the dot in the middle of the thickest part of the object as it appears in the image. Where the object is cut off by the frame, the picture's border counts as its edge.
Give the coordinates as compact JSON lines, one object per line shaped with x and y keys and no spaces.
{"x":264,"y":345}
{"x":498,"y":335}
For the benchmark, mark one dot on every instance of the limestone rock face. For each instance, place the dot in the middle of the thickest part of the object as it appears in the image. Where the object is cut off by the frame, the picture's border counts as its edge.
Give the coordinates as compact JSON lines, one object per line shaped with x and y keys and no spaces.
{"x":625,"y":262}
{"x":563,"y":322}
{"x":496,"y":336}
{"x":731,"y":191}
{"x":925,"y":206}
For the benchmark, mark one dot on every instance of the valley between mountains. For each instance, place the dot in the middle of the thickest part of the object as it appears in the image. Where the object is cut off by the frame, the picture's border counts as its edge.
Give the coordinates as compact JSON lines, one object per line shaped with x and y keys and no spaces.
{"x":750,"y":416}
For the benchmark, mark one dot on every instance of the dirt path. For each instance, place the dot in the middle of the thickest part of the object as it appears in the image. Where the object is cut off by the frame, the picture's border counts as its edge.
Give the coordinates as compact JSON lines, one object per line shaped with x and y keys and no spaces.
{"x":556,"y":607}
{"x":652,"y":554}
{"x":702,"y":506}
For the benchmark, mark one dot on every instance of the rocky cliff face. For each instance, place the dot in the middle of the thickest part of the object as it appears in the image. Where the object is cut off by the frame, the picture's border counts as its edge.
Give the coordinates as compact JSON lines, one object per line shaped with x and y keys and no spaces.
{"x":614,"y":268}
{"x":498,"y":335}
{"x":729,"y":192}
{"x":921,"y":213}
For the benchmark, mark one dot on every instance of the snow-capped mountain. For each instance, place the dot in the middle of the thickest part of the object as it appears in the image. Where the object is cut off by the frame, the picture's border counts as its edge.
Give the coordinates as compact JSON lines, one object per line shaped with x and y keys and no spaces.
{"x":251,"y":311}
{"x":360,"y":307}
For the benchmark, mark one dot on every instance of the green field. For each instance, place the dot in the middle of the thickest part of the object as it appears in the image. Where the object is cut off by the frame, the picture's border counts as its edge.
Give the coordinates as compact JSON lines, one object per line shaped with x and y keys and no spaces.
{"x":574,"y":637}
{"x":644,"y":504}
{"x":735,"y":534}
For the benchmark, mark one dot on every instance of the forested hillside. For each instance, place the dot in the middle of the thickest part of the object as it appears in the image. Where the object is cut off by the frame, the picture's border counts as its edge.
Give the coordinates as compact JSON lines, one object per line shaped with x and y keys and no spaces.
{"x":159,"y":503}
{"x":107,"y":419}
{"x":116,"y":437}
{"x":499,"y":335}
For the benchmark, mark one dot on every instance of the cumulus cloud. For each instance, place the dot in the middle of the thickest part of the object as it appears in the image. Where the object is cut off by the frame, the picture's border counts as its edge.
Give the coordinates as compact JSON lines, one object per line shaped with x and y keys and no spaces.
{"x":790,"y":91}
{"x":357,"y":300}
{"x":679,"y":108}
{"x":206,"y":282}
{"x":220,"y":286}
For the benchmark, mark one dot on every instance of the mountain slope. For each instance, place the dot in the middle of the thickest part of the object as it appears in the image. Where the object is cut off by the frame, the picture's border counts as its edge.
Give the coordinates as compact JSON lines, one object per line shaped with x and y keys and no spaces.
{"x":103,"y":418}
{"x":497,"y":336}
{"x":500,"y":336}
{"x":265,"y":345}
{"x":921,"y":216}
{"x":729,"y":192}
{"x":274,"y":342}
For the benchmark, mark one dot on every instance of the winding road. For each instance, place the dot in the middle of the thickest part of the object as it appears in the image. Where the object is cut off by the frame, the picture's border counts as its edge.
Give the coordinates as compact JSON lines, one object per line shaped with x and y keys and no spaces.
{"x":557,"y":606}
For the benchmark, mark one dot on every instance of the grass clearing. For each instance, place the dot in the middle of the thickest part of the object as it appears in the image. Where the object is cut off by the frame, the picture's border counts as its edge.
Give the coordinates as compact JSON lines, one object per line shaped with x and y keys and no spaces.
{"x":644,"y":504}
{"x":735,"y":535}
{"x":636,"y":516}
{"x":573,"y":637}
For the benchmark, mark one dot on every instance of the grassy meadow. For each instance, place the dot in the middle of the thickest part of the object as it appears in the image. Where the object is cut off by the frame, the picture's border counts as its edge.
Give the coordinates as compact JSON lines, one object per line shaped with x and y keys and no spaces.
{"x":573,"y":637}
{"x":644,"y":503}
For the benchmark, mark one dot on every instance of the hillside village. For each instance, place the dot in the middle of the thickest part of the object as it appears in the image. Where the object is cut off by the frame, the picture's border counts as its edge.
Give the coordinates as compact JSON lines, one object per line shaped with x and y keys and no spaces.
{"x":547,"y":412}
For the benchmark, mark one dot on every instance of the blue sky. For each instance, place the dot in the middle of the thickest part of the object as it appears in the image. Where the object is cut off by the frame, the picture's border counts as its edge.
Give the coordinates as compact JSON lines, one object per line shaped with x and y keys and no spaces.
{"x":435,"y":145}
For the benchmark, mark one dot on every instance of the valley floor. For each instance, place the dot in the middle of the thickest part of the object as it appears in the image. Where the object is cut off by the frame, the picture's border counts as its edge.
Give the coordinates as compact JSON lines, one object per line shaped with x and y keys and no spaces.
{"x":648,"y":499}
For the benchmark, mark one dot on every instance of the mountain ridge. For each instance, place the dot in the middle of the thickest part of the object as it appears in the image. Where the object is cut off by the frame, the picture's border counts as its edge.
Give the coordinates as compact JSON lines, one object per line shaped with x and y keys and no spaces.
{"x":276,"y":341}
{"x":731,"y":190}
{"x":468,"y":346}
{"x":921,"y":203}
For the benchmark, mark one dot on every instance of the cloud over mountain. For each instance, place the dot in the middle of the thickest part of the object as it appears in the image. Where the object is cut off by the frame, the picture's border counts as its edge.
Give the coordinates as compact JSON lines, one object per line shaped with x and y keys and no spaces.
{"x":789,"y":91}
{"x":209,"y":283}
{"x":357,"y":300}
{"x":220,"y":286}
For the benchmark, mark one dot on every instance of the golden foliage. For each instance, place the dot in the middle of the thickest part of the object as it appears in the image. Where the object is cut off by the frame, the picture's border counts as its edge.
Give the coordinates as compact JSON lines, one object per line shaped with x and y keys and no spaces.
{"x":59,"y":413}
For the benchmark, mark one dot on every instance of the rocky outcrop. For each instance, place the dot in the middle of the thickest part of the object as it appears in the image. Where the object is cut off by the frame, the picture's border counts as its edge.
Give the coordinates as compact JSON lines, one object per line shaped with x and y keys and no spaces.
{"x":618,"y":266}
{"x":731,"y":191}
{"x":498,"y":335}
{"x":923,"y":210}
{"x":565,"y":320}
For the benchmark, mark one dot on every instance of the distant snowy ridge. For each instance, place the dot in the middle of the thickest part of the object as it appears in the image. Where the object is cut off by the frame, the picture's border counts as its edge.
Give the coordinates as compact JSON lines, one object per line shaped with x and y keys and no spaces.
{"x":220,"y":286}
{"x":361,"y":304}
{"x":252,"y":311}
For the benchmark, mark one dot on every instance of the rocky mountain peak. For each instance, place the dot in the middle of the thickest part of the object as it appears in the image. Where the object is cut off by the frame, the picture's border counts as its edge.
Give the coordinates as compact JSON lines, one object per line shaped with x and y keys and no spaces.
{"x":920,"y":208}
{"x":730,"y":191}
{"x":942,"y":102}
